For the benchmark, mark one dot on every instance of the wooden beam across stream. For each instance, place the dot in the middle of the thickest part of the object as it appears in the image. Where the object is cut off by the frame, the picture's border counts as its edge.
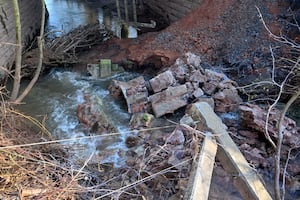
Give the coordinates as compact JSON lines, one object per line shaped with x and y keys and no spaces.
{"x":247,"y":181}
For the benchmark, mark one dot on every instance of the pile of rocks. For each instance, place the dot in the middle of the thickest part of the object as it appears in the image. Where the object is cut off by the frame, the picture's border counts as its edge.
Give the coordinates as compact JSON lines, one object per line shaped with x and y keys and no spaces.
{"x":184,"y":82}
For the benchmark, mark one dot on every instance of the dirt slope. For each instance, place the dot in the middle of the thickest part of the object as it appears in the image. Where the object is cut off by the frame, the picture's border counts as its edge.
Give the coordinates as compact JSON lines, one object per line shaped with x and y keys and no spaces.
{"x":218,"y":30}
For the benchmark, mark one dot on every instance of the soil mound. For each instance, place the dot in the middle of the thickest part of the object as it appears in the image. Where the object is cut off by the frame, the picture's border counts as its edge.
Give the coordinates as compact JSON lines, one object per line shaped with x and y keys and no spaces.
{"x":218,"y":30}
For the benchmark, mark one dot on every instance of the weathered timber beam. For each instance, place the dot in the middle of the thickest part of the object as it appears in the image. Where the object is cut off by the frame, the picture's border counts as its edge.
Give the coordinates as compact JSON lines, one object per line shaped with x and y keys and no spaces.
{"x":247,"y":181}
{"x":204,"y":169}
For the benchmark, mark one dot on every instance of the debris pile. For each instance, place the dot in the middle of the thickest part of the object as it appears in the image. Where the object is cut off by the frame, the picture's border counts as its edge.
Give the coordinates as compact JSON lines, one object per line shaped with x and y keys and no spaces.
{"x":184,"y":82}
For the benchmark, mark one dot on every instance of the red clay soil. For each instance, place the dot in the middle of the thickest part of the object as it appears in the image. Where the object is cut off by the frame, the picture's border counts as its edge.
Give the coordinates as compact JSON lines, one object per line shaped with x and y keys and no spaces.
{"x":220,"y":31}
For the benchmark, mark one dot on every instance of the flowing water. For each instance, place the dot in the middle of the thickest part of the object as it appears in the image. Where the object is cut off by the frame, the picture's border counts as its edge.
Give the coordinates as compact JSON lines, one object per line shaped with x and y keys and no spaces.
{"x":57,"y":95}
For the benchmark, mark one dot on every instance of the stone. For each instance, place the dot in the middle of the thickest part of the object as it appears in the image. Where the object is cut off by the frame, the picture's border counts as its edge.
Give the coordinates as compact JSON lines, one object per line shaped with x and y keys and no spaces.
{"x":135,"y":93}
{"x":180,"y":71}
{"x":193,"y":59}
{"x":187,"y":120}
{"x":189,"y":87}
{"x":210,"y":87}
{"x":131,"y":141}
{"x":227,"y":100}
{"x":198,"y":93}
{"x":254,"y":117}
{"x":162,"y":81}
{"x":168,"y":100}
{"x":92,"y":115}
{"x":114,"y":89}
{"x":93,"y":70}
{"x":197,"y":77}
{"x":105,"y":67}
{"x":140,"y":120}
{"x":176,"y":137}
{"x":216,"y":76}
{"x":208,"y":100}
{"x":227,"y":84}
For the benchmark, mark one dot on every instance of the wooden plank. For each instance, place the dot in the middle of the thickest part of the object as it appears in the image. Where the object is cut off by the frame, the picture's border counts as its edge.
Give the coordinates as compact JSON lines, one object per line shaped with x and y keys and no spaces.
{"x":247,"y":181}
{"x":204,"y":169}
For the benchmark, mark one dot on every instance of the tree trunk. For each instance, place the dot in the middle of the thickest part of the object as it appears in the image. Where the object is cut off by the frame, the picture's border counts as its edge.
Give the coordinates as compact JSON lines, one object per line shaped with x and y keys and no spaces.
{"x":17,"y":74}
{"x":40,"y":41}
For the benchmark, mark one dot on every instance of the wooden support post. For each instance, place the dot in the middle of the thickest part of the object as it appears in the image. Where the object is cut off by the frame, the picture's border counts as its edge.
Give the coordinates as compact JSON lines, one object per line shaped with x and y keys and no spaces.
{"x":204,"y":169}
{"x":118,"y":9}
{"x":126,"y":11}
{"x":247,"y":181}
{"x":134,"y":12}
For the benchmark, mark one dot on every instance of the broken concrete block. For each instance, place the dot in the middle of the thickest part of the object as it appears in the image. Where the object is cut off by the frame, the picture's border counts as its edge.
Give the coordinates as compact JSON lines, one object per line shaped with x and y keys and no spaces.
{"x":162,"y":81}
{"x":169,"y":100}
{"x":93,"y":70}
{"x":105,"y":67}
{"x":193,"y":59}
{"x":180,"y":71}
{"x":197,"y":77}
{"x":208,"y":100}
{"x":135,"y":94}
{"x":198,"y":93}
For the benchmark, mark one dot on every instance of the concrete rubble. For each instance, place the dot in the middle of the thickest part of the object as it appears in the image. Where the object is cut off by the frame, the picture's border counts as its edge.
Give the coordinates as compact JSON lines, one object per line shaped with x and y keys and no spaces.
{"x":184,"y":82}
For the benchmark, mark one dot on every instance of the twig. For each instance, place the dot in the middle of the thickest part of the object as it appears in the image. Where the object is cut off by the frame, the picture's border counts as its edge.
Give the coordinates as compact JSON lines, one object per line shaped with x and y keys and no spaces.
{"x":143,"y":180}
{"x":279,"y":143}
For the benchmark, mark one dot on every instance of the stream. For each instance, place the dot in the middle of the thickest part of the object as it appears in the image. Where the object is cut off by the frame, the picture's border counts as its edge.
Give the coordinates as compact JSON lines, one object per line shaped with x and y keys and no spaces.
{"x":57,"y":94}
{"x":65,"y":15}
{"x":56,"y":97}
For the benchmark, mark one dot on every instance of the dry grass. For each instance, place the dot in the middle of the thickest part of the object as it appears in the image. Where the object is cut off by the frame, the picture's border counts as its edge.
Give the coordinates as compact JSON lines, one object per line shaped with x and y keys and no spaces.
{"x":36,"y":172}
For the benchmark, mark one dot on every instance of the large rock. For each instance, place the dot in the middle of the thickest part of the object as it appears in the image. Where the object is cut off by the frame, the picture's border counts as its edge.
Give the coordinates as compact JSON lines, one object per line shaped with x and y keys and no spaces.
{"x":254,"y":117}
{"x":227,"y":100}
{"x":134,"y":92}
{"x":169,"y":100}
{"x":162,"y":81}
{"x":92,"y":115}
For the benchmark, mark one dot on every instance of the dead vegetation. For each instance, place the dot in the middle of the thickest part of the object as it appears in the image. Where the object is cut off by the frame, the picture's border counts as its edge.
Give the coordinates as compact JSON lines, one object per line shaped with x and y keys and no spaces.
{"x":63,"y":50}
{"x":35,"y":172}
